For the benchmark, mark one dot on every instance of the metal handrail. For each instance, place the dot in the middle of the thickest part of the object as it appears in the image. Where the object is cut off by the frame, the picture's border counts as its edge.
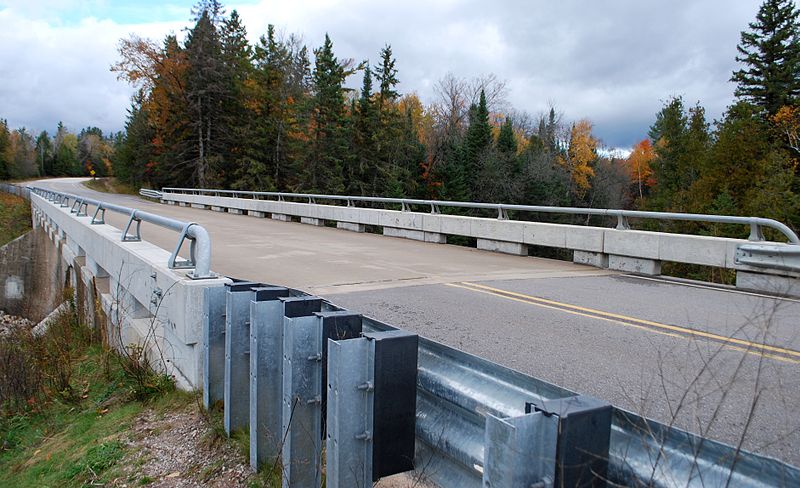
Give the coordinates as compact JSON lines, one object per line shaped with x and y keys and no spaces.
{"x":200,"y":241}
{"x":755,"y":223}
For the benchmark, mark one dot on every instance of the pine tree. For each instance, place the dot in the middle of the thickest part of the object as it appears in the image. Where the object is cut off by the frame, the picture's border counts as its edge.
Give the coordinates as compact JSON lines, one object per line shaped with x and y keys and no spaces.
{"x":387,"y":76}
{"x":237,"y":69}
{"x":329,"y":145}
{"x":771,"y":53}
{"x":5,"y":145}
{"x":506,"y":142}
{"x":206,"y":94}
{"x":681,"y":140}
{"x":478,"y":139}
{"x":359,"y":178}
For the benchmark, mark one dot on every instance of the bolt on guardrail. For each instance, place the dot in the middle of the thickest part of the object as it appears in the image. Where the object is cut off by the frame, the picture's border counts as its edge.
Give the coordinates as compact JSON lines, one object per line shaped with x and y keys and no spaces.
{"x":475,"y":423}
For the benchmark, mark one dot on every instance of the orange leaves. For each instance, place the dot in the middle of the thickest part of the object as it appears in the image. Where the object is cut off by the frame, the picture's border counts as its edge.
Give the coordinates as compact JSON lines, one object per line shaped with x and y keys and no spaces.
{"x":638,"y":165}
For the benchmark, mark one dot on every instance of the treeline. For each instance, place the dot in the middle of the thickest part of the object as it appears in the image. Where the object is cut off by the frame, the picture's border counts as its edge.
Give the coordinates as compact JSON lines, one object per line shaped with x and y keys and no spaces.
{"x":747,"y":162}
{"x":64,"y":154}
{"x":215,"y":111}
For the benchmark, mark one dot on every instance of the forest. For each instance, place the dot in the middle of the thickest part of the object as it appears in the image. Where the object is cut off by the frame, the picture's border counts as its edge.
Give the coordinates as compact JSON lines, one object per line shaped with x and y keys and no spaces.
{"x":214,"y":110}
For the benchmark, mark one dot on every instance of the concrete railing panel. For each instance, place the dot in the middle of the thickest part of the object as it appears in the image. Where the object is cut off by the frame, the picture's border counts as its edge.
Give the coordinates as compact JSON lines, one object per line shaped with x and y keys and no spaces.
{"x":146,"y":299}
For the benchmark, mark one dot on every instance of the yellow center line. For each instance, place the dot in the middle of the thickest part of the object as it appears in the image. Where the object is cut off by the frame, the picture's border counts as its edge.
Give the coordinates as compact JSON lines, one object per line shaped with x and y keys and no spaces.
{"x":650,"y":326}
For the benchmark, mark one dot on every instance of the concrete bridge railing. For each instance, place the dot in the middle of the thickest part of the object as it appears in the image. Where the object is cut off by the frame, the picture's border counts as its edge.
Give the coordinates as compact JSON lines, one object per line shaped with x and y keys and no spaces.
{"x":759,"y":265}
{"x":131,"y":287}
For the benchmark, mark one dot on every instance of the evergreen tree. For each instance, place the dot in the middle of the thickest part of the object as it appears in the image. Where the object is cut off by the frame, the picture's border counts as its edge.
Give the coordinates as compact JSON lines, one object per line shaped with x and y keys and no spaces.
{"x":329,"y":147}
{"x":44,"y":151}
{"x":5,"y":147}
{"x":506,"y":142}
{"x":237,"y":68}
{"x":387,"y":75}
{"x":134,"y":159}
{"x":681,"y":140}
{"x":360,"y":176}
{"x":478,"y":139}
{"x":206,"y":94}
{"x":771,"y":53}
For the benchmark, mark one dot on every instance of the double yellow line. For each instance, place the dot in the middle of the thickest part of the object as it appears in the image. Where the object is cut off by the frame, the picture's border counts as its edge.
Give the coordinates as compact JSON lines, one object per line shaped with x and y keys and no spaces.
{"x":749,"y":347}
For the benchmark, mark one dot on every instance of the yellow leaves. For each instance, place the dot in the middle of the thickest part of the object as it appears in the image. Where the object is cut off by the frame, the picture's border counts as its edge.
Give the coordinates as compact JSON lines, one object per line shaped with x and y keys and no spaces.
{"x":638,"y":165}
{"x":787,"y":121}
{"x":581,"y":153}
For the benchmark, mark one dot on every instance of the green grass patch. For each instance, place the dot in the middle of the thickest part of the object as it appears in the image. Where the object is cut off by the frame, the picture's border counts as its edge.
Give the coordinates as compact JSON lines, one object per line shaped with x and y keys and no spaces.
{"x":71,"y":430}
{"x":65,"y":443}
{"x":15,"y":217}
{"x":110,"y":185}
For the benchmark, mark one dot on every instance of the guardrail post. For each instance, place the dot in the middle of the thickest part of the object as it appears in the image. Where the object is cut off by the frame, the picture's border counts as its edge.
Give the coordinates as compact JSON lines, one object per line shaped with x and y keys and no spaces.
{"x":266,"y":314}
{"x":267,"y":434}
{"x":237,"y":348}
{"x":520,"y":451}
{"x":304,"y":390}
{"x":756,"y":234}
{"x":213,"y":345}
{"x":584,"y":433}
{"x":375,"y":373}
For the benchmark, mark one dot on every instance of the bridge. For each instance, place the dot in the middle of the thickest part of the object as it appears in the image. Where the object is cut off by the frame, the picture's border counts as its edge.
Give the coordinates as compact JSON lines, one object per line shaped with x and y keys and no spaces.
{"x":719,"y":361}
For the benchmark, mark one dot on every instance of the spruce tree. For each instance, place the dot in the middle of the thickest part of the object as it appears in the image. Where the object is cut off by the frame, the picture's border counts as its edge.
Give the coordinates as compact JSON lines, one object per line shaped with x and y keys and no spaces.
{"x":206,"y":94}
{"x":387,"y":76}
{"x":478,"y":139}
{"x":770,"y":51}
{"x":360,"y":177}
{"x":5,"y":144}
{"x":506,"y":142}
{"x":329,"y":147}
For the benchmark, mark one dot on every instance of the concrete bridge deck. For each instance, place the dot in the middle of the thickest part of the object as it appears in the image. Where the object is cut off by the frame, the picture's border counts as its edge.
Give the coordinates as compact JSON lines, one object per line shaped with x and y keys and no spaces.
{"x":716,"y":361}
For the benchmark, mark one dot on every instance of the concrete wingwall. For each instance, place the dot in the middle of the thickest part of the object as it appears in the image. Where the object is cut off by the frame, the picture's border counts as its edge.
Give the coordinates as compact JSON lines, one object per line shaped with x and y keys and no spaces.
{"x":127,"y":290}
{"x":32,"y":276}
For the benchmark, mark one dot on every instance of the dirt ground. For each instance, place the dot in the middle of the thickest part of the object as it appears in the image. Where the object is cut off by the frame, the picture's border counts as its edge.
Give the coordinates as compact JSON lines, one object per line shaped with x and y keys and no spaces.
{"x":180,"y":449}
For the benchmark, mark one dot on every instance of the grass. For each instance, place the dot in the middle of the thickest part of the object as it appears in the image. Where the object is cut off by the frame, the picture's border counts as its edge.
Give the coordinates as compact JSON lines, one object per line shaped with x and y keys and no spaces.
{"x":15,"y":217}
{"x":74,"y":444}
{"x":81,"y":401}
{"x":70,"y":443}
{"x":110,"y":185}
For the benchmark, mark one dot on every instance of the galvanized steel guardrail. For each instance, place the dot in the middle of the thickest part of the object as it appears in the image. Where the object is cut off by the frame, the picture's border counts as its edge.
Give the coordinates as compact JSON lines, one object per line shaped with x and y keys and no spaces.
{"x":756,"y":224}
{"x":200,"y":242}
{"x":457,"y":392}
{"x":17,"y":190}
{"x":460,"y":401}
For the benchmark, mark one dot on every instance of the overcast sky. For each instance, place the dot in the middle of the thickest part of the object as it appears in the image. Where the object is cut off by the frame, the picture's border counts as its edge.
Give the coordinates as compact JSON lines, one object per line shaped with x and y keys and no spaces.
{"x":613,"y":62}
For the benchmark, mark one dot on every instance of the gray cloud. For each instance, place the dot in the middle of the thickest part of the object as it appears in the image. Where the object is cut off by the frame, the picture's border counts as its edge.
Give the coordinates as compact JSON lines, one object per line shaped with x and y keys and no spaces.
{"x":611,"y":62}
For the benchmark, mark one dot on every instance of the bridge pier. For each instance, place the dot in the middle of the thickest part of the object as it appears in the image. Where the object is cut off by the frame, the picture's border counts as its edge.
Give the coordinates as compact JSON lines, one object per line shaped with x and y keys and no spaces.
{"x":199,"y":205}
{"x":237,"y":211}
{"x":257,"y":214}
{"x":281,"y":217}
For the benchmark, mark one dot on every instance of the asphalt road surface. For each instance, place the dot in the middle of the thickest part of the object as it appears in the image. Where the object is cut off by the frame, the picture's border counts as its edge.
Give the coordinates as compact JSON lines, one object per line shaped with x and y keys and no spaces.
{"x":712,"y":360}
